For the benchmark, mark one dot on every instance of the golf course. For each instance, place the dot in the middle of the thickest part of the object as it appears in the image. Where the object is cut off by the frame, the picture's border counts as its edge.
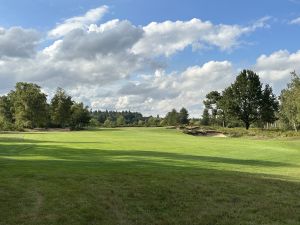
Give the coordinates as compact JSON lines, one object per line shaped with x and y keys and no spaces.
{"x":149,"y":176}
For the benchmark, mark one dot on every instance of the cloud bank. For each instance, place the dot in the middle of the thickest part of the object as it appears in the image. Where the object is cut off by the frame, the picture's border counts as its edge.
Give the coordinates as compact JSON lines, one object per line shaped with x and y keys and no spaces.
{"x":118,"y":65}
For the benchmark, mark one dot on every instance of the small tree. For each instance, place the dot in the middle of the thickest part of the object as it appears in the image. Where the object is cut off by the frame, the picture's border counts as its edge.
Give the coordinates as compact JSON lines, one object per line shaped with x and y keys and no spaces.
{"x":269,"y":106}
{"x":205,"y":117}
{"x":60,"y":108}
{"x":80,"y":116}
{"x":212,"y":103}
{"x":290,"y":102}
{"x":172,"y":118}
{"x":183,"y":116}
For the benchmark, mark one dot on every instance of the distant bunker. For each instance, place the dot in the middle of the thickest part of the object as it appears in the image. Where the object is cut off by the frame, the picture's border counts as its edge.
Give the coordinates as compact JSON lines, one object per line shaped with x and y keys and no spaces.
{"x":196,"y":131}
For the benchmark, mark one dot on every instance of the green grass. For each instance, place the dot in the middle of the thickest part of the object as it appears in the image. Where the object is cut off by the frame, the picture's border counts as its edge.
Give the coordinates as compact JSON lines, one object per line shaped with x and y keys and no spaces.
{"x":147,"y":176}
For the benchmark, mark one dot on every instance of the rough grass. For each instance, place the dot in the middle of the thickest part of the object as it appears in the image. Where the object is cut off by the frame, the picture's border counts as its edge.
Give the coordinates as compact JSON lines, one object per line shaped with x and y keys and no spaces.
{"x":258,"y":132}
{"x":147,"y":176}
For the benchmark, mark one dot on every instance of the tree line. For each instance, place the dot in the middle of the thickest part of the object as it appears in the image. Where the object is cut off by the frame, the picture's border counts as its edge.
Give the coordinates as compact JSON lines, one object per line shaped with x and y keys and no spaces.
{"x":26,"y":107}
{"x":246,"y":102}
{"x":127,"y":118}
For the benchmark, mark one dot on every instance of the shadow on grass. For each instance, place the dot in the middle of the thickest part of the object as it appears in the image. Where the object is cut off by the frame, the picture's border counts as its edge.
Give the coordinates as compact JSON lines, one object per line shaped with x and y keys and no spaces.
{"x":26,"y":140}
{"x":53,"y":184}
{"x":32,"y":149}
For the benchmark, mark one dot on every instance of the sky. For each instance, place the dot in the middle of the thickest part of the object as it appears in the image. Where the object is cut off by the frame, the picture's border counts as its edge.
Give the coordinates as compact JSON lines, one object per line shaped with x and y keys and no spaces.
{"x":146,"y":56}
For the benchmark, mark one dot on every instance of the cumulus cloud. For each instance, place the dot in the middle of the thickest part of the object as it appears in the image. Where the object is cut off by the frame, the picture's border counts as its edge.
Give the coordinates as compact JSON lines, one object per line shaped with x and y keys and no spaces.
{"x":97,"y":55}
{"x":118,"y":65}
{"x":112,"y":37}
{"x":276,"y":68}
{"x":78,"y":22}
{"x":278,"y":65}
{"x":161,"y":92}
{"x":18,"y":42}
{"x":169,"y":37}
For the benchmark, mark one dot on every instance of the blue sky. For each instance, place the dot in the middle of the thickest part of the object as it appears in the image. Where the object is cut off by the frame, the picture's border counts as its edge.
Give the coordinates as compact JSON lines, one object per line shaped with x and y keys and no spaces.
{"x":143,"y":72}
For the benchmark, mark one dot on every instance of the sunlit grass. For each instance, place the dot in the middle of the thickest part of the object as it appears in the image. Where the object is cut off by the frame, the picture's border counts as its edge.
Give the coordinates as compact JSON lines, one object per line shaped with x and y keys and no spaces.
{"x":147,"y":176}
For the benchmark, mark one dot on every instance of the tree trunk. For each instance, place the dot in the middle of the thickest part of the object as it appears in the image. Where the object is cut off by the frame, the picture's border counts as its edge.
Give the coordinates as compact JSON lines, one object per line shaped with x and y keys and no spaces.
{"x":247,"y":125}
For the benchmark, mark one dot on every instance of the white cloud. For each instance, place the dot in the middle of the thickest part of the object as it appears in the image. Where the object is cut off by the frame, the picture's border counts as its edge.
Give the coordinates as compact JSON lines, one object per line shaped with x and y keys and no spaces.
{"x":295,"y":21}
{"x":160,"y":92}
{"x":169,"y":37}
{"x":277,"y":66}
{"x":101,"y":64}
{"x":78,"y":22}
{"x":113,"y":37}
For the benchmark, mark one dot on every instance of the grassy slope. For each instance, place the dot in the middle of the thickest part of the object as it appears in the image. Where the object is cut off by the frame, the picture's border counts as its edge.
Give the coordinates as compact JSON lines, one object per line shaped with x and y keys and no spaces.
{"x":147,"y":176}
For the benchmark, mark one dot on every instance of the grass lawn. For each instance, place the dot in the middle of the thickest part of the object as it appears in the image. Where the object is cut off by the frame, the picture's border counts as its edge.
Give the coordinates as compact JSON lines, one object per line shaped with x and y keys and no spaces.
{"x":147,"y":176}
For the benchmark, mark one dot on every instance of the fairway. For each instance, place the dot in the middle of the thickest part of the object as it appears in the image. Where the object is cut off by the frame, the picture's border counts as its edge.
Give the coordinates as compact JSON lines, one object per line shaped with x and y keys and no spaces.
{"x":147,"y":176}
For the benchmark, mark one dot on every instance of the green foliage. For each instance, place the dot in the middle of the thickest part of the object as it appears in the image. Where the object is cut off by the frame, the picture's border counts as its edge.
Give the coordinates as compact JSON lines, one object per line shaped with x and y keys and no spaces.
{"x":269,"y":106}
{"x":109,"y":123}
{"x":141,"y":123}
{"x":26,"y":107}
{"x":183,"y":116}
{"x":152,"y":122}
{"x":205,"y":120}
{"x":120,"y":121}
{"x":80,"y":116}
{"x":5,"y":125}
{"x":213,"y":104}
{"x":244,"y":101}
{"x":290,"y":103}
{"x":94,"y":122}
{"x":5,"y":109}
{"x":244,"y":97}
{"x":60,"y":108}
{"x":29,"y":106}
{"x":172,"y":118}
{"x":130,"y":118}
{"x":175,"y":118}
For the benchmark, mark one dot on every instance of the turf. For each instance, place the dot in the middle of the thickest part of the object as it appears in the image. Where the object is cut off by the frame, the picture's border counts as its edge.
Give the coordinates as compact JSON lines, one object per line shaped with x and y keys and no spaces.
{"x":147,"y":176}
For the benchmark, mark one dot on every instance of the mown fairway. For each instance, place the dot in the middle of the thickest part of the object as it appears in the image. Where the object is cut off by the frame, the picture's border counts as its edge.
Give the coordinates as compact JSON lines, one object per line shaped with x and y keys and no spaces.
{"x":147,"y":176}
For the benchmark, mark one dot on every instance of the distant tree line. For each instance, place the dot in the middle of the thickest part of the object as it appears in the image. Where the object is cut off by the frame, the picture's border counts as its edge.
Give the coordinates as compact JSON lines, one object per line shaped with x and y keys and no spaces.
{"x":115,"y":118}
{"x":128,"y":118}
{"x":246,"y":102}
{"x":26,"y":107}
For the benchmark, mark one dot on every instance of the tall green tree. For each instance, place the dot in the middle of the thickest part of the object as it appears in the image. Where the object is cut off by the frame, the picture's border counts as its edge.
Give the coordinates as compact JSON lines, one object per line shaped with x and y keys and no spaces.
{"x":60,"y":108}
{"x":269,"y":106}
{"x":29,"y":105}
{"x":183,"y":116}
{"x":290,"y":102}
{"x":212,"y":103}
{"x":244,"y":97}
